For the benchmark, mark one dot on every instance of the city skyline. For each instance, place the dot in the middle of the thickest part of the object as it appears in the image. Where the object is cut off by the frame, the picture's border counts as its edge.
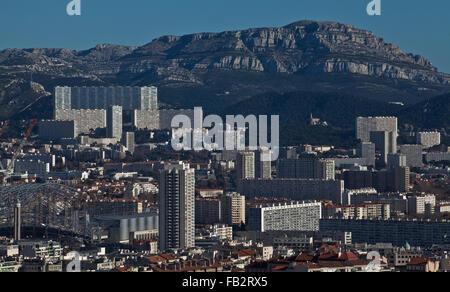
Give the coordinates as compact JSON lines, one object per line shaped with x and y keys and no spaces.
{"x":317,"y":208}
{"x":287,"y":146}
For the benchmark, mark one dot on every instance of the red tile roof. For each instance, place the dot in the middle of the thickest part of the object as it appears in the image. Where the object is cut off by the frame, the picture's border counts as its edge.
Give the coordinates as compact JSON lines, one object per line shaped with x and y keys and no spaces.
{"x":417,"y":262}
{"x":330,"y":248}
{"x":156,"y":259}
{"x":246,"y":253}
{"x":304,"y":258}
{"x":168,"y":257}
{"x":309,"y":265}
{"x":279,"y":268}
{"x":188,"y":267}
{"x":328,"y":256}
{"x":348,"y":256}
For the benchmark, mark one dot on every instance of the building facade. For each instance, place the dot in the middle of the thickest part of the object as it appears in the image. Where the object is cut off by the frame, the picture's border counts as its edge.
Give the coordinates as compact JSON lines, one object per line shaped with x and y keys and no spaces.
{"x":298,"y":216}
{"x":428,"y":139}
{"x":114,"y":120}
{"x":295,"y":189}
{"x":128,"y":140}
{"x":263,"y":164}
{"x":55,"y":130}
{"x":177,"y":207}
{"x":208,"y":211}
{"x":245,"y":165}
{"x":385,"y":142}
{"x":417,"y":233}
{"x":312,"y":168}
{"x":233,"y":209}
{"x":86,"y":120}
{"x":365,"y":125}
{"x":414,"y":155}
{"x":421,"y":204}
{"x":366,"y":150}
{"x":397,"y":160}
{"x":95,"y":98}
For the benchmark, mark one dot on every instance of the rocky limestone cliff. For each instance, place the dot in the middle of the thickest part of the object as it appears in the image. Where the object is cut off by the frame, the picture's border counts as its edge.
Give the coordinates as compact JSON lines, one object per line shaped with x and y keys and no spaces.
{"x":305,"y":47}
{"x":299,"y":47}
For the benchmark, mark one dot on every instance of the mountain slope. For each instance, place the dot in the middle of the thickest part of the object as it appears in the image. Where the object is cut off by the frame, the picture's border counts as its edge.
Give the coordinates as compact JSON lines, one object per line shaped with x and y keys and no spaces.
{"x":216,"y":70}
{"x":433,"y":113}
{"x":295,"y":108}
{"x":339,"y":111}
{"x":304,"y":46}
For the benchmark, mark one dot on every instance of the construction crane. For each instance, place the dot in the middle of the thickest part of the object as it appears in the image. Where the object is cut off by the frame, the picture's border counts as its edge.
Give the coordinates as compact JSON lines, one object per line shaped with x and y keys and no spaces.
{"x":10,"y":167}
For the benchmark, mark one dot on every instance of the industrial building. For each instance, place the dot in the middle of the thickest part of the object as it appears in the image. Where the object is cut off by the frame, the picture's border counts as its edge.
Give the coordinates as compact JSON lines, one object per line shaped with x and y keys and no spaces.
{"x":120,"y":227}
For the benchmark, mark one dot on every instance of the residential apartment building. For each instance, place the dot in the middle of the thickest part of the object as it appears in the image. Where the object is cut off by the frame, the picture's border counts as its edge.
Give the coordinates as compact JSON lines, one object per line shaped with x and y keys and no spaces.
{"x":208,"y":211}
{"x":114,"y":120}
{"x":95,"y":98}
{"x":313,"y":168}
{"x":233,"y":209}
{"x":177,"y":207}
{"x":414,"y":155}
{"x":423,"y":233}
{"x":422,"y":204}
{"x":297,"y":216}
{"x":365,"y":125}
{"x":295,"y":189}
{"x":428,"y":139}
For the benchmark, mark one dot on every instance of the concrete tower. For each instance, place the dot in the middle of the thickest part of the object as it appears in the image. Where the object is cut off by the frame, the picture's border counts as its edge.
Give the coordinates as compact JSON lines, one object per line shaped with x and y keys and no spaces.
{"x":177,"y":207}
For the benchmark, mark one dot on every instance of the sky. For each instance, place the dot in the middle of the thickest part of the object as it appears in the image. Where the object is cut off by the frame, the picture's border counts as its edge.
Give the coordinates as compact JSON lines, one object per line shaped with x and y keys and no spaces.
{"x":417,"y":26}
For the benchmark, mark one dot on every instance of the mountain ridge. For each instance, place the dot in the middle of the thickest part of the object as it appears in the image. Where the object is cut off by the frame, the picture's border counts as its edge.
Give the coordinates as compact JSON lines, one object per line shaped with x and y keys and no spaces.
{"x":216,"y":70}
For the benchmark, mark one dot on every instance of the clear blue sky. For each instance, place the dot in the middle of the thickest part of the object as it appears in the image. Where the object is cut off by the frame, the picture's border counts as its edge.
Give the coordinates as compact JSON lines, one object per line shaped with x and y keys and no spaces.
{"x":417,"y":26}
